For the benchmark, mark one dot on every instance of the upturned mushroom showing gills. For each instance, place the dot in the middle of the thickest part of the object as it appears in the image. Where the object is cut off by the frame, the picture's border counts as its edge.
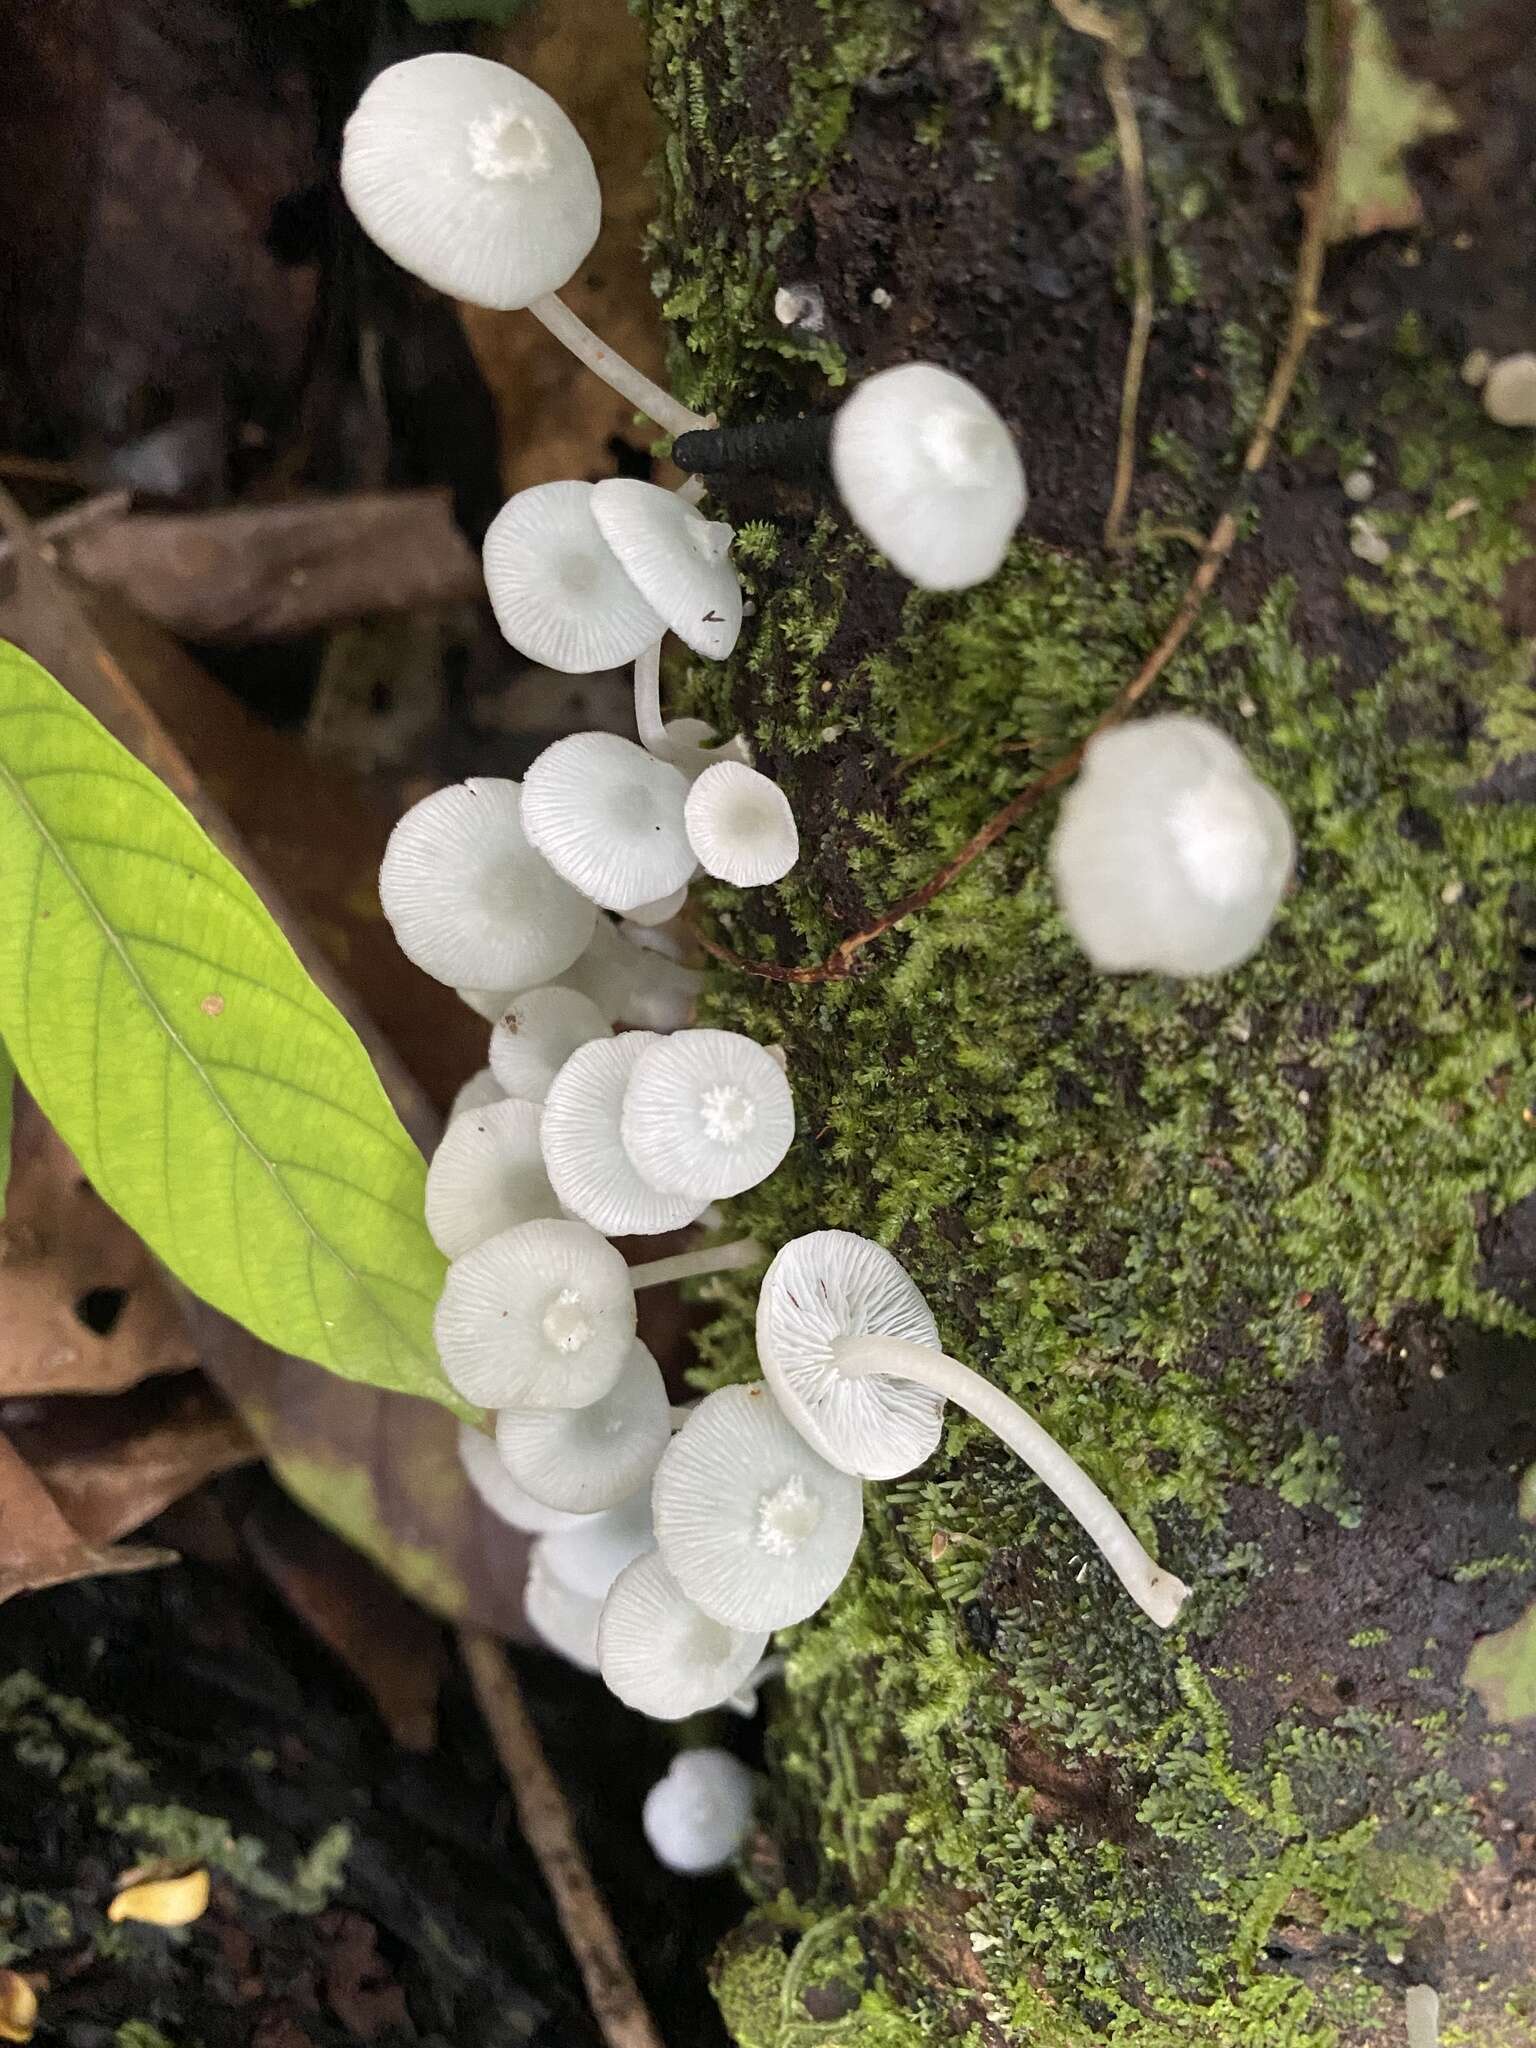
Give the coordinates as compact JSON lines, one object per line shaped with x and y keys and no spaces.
{"x":584,"y":1153}
{"x":471,"y":901}
{"x":867,"y":1393}
{"x":473,"y":179}
{"x":663,"y":1655}
{"x":740,"y":826}
{"x":678,"y":561}
{"x":928,"y":471}
{"x":706,"y":1114}
{"x":1169,"y":854}
{"x":556,"y":587}
{"x":756,"y":1528}
{"x":609,"y":818}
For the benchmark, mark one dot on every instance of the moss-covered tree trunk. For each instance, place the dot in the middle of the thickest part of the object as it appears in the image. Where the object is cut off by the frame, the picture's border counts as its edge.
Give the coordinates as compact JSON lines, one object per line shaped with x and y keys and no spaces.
{"x":1260,"y":1249}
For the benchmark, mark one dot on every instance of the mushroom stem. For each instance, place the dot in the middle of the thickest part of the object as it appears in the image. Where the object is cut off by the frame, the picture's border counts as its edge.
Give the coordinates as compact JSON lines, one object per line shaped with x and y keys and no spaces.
{"x":643,"y":394}
{"x":710,"y":1258}
{"x":1156,"y":1592}
{"x":796,"y":450}
{"x":648,"y":720}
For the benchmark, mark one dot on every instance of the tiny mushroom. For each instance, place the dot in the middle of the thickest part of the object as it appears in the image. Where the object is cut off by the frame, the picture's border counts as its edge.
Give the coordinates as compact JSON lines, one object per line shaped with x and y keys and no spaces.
{"x":756,"y":1528}
{"x":609,"y":818}
{"x":1169,"y":853}
{"x":559,"y":595}
{"x":696,"y":1817}
{"x":678,"y":560}
{"x":536,"y":1033}
{"x":662,"y":1655}
{"x":740,"y":826}
{"x":706,"y":1114}
{"x":584,"y":1152}
{"x":486,"y":1175}
{"x":471,"y":901}
{"x":929,"y":473}
{"x":500,"y":1491}
{"x":587,"y":1459}
{"x":840,"y":1376}
{"x":540,"y":1316}
{"x":1509,"y":390}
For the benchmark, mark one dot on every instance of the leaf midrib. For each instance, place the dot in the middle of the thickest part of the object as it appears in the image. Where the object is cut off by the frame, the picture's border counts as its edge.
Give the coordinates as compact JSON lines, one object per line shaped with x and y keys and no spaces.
{"x":56,"y":849}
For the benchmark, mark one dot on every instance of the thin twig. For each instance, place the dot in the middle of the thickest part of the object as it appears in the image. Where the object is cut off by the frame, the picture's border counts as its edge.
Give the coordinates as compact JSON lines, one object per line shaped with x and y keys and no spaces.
{"x":1304,"y":321}
{"x":77,"y":518}
{"x":545,"y":1819}
{"x":1121,"y":42}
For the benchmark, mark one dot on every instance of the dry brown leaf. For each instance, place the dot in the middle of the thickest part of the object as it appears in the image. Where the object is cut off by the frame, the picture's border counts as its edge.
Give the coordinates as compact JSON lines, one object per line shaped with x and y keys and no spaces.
{"x":556,"y":418}
{"x":84,"y":1308}
{"x":38,"y":1548}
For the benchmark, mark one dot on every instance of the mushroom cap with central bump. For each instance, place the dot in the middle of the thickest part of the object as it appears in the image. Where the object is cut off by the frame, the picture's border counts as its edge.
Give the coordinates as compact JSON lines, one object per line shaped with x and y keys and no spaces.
{"x":662,"y":1655}
{"x":556,"y":588}
{"x":928,"y":472}
{"x":740,"y":826}
{"x":819,"y":1290}
{"x":753,"y":1525}
{"x":542,"y":1316}
{"x":487,"y":1175}
{"x":707,"y":1114}
{"x":472,"y":179}
{"x":584,"y":1154}
{"x":587,"y":1459}
{"x":678,"y":560}
{"x":609,"y":818}
{"x":471,"y":900}
{"x":500,"y":1492}
{"x":1169,"y":854}
{"x":535,"y":1035}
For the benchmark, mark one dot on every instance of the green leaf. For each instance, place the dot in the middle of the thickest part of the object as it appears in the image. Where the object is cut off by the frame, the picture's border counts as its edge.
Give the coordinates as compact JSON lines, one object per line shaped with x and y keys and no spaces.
{"x":209,"y":1090}
{"x":7,"y":1111}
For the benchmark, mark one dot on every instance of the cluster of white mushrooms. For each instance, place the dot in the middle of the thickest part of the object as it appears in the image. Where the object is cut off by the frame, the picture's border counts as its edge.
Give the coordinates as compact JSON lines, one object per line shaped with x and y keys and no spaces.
{"x":670,"y":1544}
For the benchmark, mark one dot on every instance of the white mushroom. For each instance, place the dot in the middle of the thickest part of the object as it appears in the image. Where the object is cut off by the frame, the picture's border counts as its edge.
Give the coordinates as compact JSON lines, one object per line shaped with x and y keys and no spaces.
{"x":696,"y":1817}
{"x":706,"y":1114}
{"x":481,"y":1088}
{"x":756,"y":1528}
{"x":473,"y":179}
{"x":608,"y":817}
{"x":678,"y":560}
{"x":559,"y":595}
{"x":858,"y":1388}
{"x":632,"y":983}
{"x":929,"y":472}
{"x":541,"y":1316}
{"x":564,"y":1620}
{"x":487,"y":1175}
{"x":1509,"y":390}
{"x":662,"y":1655}
{"x":536,"y":1033}
{"x":586,"y":1459}
{"x":740,"y":826}
{"x":470,"y":899}
{"x":1169,"y":853}
{"x":584,"y":1152}
{"x":590,"y":1553}
{"x":500,"y":1492}
{"x":662,"y":911}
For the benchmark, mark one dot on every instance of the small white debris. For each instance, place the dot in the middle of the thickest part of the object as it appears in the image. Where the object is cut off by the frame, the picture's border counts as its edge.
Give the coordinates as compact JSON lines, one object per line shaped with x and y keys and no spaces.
{"x":1453,"y":892}
{"x":880,"y":297}
{"x":1509,"y":392}
{"x":1474,"y":370}
{"x":1366,"y":543}
{"x":1359,"y":485}
{"x":800,"y":305}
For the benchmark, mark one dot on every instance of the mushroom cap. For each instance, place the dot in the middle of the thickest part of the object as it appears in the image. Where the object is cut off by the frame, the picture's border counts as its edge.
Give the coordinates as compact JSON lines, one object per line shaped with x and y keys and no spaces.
{"x":706,"y":1114}
{"x":663,"y":1656}
{"x":1169,"y":854}
{"x":471,"y":901}
{"x":608,"y":817}
{"x":589,"y":1555}
{"x":740,"y":826}
{"x":559,"y":595}
{"x":662,"y":911}
{"x":471,"y":178}
{"x":563,"y":1619}
{"x":697,"y":1816}
{"x":584,"y":1153}
{"x":487,"y":1175}
{"x":632,"y":983}
{"x":756,"y":1528}
{"x":541,"y":1316}
{"x":479,"y":1090}
{"x":587,"y":1459}
{"x":678,"y":560}
{"x":828,"y":1285}
{"x":536,"y":1033}
{"x":928,"y":472}
{"x":1509,"y":390}
{"x":500,"y":1492}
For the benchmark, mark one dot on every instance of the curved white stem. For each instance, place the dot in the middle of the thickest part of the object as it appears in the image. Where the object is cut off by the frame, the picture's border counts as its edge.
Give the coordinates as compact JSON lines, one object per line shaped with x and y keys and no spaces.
{"x":712,"y":1258}
{"x":643,"y":394}
{"x":1423,"y":2017}
{"x":1156,"y":1592}
{"x":648,"y":719}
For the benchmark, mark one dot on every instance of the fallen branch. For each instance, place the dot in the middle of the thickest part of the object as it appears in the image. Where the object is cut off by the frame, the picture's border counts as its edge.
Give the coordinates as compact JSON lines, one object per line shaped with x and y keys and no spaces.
{"x":545,"y":1818}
